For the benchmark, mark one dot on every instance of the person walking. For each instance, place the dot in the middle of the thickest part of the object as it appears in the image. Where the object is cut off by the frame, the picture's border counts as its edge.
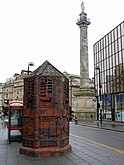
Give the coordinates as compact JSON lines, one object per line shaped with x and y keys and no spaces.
{"x":76,"y":119}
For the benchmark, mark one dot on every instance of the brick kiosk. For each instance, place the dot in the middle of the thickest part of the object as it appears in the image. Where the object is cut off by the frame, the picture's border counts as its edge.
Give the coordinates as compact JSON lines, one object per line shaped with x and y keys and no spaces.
{"x":45,"y":113}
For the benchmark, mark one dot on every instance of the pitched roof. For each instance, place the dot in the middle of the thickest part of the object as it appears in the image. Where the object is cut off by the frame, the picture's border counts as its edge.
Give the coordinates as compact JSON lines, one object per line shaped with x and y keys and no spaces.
{"x":46,"y":69}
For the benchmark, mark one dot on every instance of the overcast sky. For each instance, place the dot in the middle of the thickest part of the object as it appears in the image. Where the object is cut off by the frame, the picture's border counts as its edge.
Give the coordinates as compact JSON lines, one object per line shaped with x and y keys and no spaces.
{"x":40,"y":30}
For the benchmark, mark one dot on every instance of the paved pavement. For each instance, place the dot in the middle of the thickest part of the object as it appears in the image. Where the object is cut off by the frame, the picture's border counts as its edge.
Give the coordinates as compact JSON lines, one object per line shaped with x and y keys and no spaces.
{"x":116,"y":126}
{"x":83,"y":153}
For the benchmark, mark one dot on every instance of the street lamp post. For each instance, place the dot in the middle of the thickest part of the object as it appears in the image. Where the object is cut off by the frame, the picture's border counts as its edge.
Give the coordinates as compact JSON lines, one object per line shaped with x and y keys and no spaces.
{"x":30,"y":64}
{"x":100,"y":97}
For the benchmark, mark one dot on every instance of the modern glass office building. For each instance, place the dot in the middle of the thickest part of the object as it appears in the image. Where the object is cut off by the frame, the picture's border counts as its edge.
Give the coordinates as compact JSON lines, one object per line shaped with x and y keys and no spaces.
{"x":109,"y":74}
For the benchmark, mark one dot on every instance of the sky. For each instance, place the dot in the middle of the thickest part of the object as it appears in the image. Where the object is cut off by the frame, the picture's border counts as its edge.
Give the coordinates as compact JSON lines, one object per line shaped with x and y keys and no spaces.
{"x":40,"y":30}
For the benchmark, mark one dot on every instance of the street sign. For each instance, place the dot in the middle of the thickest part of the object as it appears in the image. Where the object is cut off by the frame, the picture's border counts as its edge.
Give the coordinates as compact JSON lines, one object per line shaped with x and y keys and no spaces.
{"x":94,"y":99}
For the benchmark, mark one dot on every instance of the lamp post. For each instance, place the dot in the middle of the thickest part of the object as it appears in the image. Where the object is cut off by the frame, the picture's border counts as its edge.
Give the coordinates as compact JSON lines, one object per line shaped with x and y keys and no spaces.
{"x":100,"y":98}
{"x":30,"y":64}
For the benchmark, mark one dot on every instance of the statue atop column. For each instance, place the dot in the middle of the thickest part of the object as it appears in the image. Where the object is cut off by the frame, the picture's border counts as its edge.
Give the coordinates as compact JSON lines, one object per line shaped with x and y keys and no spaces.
{"x":82,"y":7}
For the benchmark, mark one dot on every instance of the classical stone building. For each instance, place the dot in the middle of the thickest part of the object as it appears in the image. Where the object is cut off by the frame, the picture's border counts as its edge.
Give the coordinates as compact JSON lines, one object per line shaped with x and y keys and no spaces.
{"x":1,"y":95}
{"x":74,"y":84}
{"x":13,"y":88}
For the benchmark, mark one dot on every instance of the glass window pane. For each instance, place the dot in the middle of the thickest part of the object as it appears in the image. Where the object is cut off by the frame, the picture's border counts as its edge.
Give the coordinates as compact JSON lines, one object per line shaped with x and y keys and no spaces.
{"x":122,"y":78}
{"x":94,"y":48}
{"x":120,"y":57}
{"x":116,"y":56}
{"x":122,"y":28}
{"x":113,"y":48}
{"x":115,"y":32}
{"x":104,"y":64}
{"x":106,"y":40}
{"x":112,"y":34}
{"x":95,"y":59}
{"x":104,"y":53}
{"x":107,"y":63}
{"x":101,"y":43}
{"x":110,"y":52}
{"x":100,"y":57}
{"x":119,"y":31}
{"x":109,"y":38}
{"x":119,"y":44}
{"x":116,"y":46}
{"x":105,"y":88}
{"x":107,"y":52}
{"x":122,"y":41}
{"x":110,"y":61}
{"x":111,"y":77}
{"x":16,"y":118}
{"x":102,"y":79}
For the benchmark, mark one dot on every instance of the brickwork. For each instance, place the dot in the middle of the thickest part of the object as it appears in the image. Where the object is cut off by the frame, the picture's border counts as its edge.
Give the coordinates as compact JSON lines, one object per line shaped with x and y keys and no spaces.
{"x":45,"y":116}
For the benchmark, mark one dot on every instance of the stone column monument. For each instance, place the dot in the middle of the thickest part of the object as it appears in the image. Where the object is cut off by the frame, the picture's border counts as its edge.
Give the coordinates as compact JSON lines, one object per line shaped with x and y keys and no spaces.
{"x":85,"y":93}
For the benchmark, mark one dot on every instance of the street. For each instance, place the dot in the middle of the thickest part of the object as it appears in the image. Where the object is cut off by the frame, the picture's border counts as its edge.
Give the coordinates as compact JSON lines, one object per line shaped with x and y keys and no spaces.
{"x":98,"y":136}
{"x":90,"y":146}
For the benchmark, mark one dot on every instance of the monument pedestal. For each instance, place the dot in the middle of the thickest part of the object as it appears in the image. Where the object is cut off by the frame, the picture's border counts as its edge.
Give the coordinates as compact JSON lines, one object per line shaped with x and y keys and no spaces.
{"x":85,"y":108}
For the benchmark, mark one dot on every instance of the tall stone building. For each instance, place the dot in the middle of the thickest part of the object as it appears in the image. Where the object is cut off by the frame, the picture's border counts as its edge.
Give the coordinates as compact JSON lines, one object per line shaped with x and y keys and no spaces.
{"x":74,"y":84}
{"x":13,"y":88}
{"x":85,"y":107}
{"x":1,"y":95}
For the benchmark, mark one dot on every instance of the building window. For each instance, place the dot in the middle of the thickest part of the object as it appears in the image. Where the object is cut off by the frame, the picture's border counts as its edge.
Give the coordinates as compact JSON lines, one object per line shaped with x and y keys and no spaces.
{"x":109,"y":56}
{"x":17,"y":92}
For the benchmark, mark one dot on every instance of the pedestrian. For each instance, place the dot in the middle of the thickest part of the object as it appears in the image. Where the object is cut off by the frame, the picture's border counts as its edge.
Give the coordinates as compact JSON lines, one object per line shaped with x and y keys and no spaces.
{"x":3,"y":123}
{"x":76,"y":119}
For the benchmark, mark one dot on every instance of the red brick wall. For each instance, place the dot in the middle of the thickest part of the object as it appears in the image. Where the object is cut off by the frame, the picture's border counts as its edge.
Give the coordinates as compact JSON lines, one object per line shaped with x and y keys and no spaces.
{"x":46,"y":111}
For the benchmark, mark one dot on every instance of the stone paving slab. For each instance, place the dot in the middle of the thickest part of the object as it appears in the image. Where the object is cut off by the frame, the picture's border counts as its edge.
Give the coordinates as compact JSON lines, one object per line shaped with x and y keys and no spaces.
{"x":83,"y":153}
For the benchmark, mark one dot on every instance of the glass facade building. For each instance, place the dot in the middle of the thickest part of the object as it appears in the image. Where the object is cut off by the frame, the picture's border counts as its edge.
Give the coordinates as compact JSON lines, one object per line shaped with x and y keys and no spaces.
{"x":109,"y":58}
